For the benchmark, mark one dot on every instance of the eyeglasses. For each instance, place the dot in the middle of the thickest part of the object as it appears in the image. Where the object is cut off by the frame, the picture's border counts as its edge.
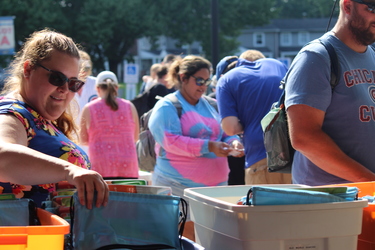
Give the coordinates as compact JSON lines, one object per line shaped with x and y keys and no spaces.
{"x":201,"y":82}
{"x":58,"y":79}
{"x":370,"y":6}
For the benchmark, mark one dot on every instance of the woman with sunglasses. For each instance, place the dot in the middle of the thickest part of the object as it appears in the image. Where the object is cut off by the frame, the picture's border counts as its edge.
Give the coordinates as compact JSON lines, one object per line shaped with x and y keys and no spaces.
{"x":110,"y":124}
{"x":35,"y":121}
{"x":193,"y":147}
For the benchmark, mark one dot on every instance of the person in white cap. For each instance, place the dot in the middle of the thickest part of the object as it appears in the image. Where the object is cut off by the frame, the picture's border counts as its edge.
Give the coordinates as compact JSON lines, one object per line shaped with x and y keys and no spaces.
{"x":110,"y":127}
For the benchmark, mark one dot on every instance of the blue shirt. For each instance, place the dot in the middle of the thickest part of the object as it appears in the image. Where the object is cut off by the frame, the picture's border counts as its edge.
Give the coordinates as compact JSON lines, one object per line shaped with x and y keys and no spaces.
{"x":248,"y":92}
{"x":349,"y":109}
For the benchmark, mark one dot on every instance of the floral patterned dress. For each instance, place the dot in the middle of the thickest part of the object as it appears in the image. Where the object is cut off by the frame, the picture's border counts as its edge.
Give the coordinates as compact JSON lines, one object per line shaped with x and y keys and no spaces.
{"x":42,"y":136}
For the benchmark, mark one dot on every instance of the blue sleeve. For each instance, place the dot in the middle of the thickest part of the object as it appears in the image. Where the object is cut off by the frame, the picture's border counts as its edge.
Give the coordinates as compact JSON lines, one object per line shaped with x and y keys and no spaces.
{"x":308,"y":81}
{"x":226,"y":98}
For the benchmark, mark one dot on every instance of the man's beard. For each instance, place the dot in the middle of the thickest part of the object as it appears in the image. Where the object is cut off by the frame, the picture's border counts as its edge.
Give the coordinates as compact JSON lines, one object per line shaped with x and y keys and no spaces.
{"x":361,"y":33}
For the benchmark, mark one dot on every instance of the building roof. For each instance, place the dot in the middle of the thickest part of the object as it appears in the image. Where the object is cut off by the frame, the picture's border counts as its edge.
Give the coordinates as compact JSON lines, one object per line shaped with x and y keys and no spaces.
{"x":308,"y":24}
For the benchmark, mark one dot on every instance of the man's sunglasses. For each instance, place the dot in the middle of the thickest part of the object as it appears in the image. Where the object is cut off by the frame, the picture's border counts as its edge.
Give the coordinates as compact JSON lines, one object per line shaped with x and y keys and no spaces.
{"x":58,"y":79}
{"x":370,"y":6}
{"x":201,"y":82}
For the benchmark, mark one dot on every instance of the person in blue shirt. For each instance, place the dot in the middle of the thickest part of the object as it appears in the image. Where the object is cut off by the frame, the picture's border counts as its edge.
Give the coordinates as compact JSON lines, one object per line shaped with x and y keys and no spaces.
{"x":333,"y":130}
{"x":245,"y":94}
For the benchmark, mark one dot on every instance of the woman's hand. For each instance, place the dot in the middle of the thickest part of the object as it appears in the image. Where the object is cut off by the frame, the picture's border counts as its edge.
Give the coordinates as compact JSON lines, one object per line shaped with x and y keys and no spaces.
{"x":87,"y":182}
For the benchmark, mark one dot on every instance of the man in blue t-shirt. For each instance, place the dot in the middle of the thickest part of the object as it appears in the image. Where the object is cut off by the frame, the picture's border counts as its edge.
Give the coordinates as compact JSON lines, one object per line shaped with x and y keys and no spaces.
{"x":245,"y":95}
{"x":333,"y":131}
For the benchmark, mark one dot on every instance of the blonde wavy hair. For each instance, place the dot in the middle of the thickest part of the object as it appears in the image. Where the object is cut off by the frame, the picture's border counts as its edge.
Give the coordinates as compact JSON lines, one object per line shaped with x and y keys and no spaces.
{"x":37,"y":48}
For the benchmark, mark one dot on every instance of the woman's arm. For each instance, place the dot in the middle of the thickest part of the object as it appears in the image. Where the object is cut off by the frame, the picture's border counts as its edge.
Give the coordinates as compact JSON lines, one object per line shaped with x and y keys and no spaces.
{"x":84,"y":126}
{"x":22,"y":165}
{"x":136,"y":121}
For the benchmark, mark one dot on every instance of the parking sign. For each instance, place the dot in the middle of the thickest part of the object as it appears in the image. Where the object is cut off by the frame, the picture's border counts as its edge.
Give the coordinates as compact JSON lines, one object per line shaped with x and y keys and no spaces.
{"x":7,"y":35}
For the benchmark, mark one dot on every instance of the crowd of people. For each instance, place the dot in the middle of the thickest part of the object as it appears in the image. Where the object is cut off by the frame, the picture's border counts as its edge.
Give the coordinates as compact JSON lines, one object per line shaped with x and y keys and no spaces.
{"x":331,"y":129}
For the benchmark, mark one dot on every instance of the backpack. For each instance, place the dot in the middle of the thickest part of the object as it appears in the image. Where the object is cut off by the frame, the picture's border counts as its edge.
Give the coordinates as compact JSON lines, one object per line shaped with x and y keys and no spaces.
{"x":275,"y":124}
{"x":140,"y":102}
{"x":145,"y":145}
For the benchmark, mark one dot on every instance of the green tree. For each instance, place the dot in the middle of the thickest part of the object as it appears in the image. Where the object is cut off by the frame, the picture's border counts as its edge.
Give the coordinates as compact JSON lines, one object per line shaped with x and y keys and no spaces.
{"x":305,"y":8}
{"x":108,"y":29}
{"x":29,"y":17}
{"x":105,"y":29}
{"x":189,"y":21}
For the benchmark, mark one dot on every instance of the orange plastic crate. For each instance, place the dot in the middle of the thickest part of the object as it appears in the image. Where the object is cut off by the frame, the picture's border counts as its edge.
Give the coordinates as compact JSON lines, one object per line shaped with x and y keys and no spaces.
{"x":366,"y":240}
{"x":49,"y":235}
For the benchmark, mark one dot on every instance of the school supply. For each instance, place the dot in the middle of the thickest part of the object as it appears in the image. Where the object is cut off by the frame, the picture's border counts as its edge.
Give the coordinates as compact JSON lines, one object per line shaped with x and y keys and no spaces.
{"x":129,"y":221}
{"x":17,"y":212}
{"x":145,"y":145}
{"x":265,"y":195}
{"x":59,"y":201}
{"x":275,"y":123}
{"x":143,"y":189}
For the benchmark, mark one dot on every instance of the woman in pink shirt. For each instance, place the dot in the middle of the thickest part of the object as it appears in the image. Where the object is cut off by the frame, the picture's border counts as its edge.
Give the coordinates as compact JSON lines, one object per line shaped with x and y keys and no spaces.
{"x":110,"y":127}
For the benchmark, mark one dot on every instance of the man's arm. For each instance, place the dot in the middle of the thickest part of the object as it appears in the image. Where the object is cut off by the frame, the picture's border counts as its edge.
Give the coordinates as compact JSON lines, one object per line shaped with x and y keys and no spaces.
{"x":231,"y":125}
{"x":307,"y":136}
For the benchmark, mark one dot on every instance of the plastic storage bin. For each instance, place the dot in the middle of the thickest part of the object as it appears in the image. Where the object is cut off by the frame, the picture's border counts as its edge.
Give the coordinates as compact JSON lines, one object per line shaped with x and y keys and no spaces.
{"x":366,"y":240}
{"x":190,"y":245}
{"x":50,"y":235}
{"x":222,"y":224}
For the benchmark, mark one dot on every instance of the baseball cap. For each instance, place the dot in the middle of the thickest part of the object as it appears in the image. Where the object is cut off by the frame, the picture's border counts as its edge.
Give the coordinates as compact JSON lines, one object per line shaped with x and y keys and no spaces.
{"x":223,"y":64}
{"x":104,"y":75}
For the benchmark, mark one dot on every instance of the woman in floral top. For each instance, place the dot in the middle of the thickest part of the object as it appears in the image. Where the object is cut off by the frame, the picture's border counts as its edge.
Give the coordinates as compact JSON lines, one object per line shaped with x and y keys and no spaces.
{"x":34,"y":114}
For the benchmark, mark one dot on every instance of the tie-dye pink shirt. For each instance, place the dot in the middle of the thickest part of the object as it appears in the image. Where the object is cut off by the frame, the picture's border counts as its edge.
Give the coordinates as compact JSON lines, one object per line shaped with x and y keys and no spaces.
{"x":111,"y":139}
{"x":185,"y":156}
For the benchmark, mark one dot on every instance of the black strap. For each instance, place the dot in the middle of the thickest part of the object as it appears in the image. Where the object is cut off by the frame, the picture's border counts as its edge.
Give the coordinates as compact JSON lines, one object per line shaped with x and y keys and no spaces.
{"x":183,"y":216}
{"x":69,"y":243}
{"x":335,"y":69}
{"x":33,"y":215}
{"x":248,"y":196}
{"x":136,"y":247}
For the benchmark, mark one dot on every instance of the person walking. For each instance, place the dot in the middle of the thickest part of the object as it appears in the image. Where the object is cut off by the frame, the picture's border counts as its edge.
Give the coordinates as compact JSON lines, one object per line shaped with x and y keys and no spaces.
{"x":110,"y":128}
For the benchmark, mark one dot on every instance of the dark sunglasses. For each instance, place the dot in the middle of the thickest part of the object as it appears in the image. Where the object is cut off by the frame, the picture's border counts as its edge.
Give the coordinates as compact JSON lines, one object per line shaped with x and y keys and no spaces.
{"x":370,"y":6}
{"x":58,"y":79}
{"x":201,"y":82}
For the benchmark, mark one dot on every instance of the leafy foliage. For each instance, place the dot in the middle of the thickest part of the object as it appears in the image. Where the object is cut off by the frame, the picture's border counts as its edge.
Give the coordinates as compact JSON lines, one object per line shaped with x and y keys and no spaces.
{"x":107,"y":29}
{"x":305,"y":8}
